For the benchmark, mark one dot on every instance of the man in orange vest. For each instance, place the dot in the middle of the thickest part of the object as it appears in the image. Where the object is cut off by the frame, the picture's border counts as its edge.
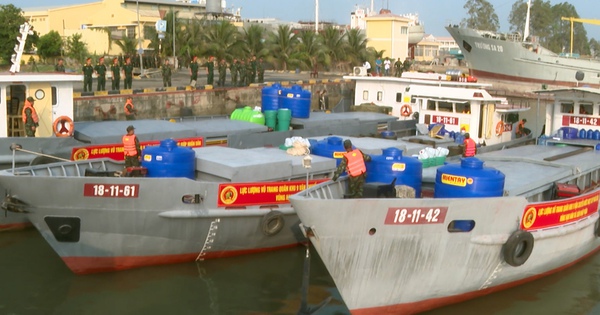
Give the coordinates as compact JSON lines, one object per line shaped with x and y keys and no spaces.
{"x":129,"y":109}
{"x":470,"y":147}
{"x":521,"y":130}
{"x":131,"y":148}
{"x":30,"y":117}
{"x":354,"y":163}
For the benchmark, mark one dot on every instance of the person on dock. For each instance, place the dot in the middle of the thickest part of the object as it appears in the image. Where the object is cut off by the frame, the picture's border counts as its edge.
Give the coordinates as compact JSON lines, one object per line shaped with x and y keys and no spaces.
{"x":354,"y":163}
{"x":398,"y":68}
{"x":60,"y":66}
{"x":521,"y":130}
{"x":131,"y":148}
{"x":166,"y":74}
{"x":87,"y":70}
{"x":233,"y":70}
{"x":116,"y":75}
{"x":101,"y":72}
{"x":194,"y":71}
{"x":30,"y":117}
{"x":470,"y":147}
{"x":260,"y":70}
{"x":367,"y":66}
{"x":210,"y":70}
{"x":222,"y":68}
{"x":128,"y":71}
{"x":129,"y":109}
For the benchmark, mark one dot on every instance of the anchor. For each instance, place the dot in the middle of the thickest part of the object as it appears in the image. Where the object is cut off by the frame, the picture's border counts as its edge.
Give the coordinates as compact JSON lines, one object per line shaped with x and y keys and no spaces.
{"x":13,"y":204}
{"x":306,"y":309}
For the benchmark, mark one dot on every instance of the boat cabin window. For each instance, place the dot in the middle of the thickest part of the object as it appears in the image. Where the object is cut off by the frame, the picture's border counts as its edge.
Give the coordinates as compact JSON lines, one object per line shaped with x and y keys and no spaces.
{"x":54,"y":101}
{"x":586,"y":108}
{"x":398,"y":97}
{"x":464,"y":108}
{"x":430,"y":105}
{"x":379,"y":96}
{"x":566,"y":107}
{"x":365,"y":95}
{"x":444,"y":106}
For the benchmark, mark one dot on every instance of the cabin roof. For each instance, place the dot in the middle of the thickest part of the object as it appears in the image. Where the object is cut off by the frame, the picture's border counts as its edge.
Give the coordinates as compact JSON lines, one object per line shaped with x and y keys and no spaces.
{"x":452,"y":93}
{"x":7,"y":77}
{"x":572,"y":89}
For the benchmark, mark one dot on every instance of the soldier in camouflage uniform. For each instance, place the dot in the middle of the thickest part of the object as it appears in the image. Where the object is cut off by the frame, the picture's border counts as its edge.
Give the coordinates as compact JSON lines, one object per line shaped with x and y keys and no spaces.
{"x":87,"y":70}
{"x":249,"y":73}
{"x":166,"y":73}
{"x":354,"y":162}
{"x":260,"y":71}
{"x":222,"y":72}
{"x":116,"y":75}
{"x":128,"y":70}
{"x":242,"y":70}
{"x":101,"y":72}
{"x":253,"y":64}
{"x":210,"y":70}
{"x":233,"y":70}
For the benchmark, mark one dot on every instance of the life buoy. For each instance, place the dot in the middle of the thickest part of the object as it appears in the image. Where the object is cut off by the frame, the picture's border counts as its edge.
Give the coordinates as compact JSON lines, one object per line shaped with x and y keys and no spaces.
{"x":405,"y":110}
{"x":272,"y":223}
{"x":63,"y":126}
{"x":518,"y":248}
{"x":499,"y":128}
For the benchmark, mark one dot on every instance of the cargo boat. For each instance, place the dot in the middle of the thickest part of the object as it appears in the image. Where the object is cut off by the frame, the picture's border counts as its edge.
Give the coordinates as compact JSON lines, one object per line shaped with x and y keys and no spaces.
{"x":483,"y":225}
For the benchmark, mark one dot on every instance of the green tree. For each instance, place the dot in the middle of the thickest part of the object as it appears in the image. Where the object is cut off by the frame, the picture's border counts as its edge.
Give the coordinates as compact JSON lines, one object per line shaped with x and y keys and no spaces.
{"x":561,"y":35}
{"x":254,"y":40}
{"x":128,"y":45}
{"x":191,"y":42}
{"x":540,"y":18}
{"x":309,"y":50}
{"x":49,"y":45}
{"x":594,"y":48}
{"x":12,"y":18}
{"x":335,"y":46}
{"x":76,"y":48}
{"x":481,"y":16}
{"x":282,"y":44}
{"x":356,"y":52}
{"x":222,"y":41}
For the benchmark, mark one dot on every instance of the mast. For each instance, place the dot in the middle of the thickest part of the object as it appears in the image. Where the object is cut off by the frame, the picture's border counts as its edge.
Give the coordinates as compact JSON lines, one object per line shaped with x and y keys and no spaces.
{"x":316,"y":16}
{"x":526,"y":30}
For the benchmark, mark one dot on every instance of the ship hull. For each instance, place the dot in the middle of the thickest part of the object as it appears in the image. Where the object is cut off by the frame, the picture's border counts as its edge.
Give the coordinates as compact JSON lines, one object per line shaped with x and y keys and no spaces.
{"x":490,"y":57}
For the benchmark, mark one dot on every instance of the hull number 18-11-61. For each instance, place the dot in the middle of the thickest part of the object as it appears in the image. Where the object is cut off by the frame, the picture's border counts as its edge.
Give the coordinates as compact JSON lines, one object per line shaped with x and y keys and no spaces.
{"x":111,"y":190}
{"x":398,"y":216}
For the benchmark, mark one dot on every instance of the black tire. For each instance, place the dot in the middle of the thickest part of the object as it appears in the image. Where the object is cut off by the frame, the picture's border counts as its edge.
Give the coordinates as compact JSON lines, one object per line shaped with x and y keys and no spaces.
{"x":518,"y":248}
{"x":272,"y":223}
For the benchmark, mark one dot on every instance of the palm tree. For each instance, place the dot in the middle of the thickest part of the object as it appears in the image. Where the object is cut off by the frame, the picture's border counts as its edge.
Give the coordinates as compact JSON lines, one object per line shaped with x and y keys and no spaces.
{"x":128,"y":45}
{"x":356,"y":52}
{"x":190,"y":42}
{"x":309,"y":51}
{"x":254,"y":41}
{"x":335,"y":44}
{"x":282,"y":45}
{"x":222,"y":41}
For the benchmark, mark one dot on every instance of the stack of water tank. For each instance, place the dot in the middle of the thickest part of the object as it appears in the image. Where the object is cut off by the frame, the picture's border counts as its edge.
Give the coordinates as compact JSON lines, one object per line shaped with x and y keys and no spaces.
{"x":297,"y":100}
{"x":331,"y":147}
{"x":169,"y":160}
{"x":280,"y":105}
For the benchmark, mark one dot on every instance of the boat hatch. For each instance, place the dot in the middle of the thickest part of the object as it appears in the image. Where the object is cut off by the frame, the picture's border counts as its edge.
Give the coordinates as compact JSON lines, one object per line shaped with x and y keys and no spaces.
{"x":461,"y":226}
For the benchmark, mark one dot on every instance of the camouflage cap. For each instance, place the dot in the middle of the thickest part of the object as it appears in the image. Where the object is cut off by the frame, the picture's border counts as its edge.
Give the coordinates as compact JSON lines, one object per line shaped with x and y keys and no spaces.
{"x":347,"y":143}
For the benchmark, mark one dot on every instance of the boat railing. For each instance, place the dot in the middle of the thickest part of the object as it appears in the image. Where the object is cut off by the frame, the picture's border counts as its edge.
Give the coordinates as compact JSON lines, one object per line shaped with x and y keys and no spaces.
{"x":327,"y":190}
{"x":64,"y":169}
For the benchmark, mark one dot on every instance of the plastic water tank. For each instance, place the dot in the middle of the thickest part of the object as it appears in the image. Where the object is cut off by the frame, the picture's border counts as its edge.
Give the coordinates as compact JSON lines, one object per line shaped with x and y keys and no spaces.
{"x":470,"y":179}
{"x":270,"y":97}
{"x":392,"y":164}
{"x":568,"y":132}
{"x":596,"y":134}
{"x":582,"y":133}
{"x":297,"y":100}
{"x":169,"y":160}
{"x":590,"y":134}
{"x":331,"y":147}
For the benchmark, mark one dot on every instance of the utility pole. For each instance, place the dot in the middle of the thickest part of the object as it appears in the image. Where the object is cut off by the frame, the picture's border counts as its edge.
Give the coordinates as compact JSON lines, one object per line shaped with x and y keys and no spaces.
{"x":174,"y":59}
{"x":316,"y":16}
{"x":140,"y":50}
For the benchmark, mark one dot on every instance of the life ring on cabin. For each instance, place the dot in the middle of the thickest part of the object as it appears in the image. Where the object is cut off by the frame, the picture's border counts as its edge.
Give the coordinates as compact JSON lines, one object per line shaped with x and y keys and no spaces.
{"x":499,"y":128}
{"x":518,"y":248}
{"x":405,"y":110}
{"x":272,"y":223}
{"x":60,"y":126}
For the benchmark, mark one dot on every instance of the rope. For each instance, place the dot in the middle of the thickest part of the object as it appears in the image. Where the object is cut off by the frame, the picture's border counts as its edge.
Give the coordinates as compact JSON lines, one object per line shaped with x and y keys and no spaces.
{"x":42,"y":154}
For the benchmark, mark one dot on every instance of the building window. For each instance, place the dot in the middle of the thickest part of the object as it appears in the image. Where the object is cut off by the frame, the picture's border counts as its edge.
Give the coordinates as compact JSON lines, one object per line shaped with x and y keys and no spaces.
{"x":430,"y":105}
{"x":444,"y":106}
{"x":404,"y":30}
{"x":365,"y":95}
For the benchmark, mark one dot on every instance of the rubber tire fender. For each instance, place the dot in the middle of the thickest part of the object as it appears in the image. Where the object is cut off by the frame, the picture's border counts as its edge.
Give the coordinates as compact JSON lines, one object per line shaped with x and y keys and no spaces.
{"x":518,"y":248}
{"x":272,"y":223}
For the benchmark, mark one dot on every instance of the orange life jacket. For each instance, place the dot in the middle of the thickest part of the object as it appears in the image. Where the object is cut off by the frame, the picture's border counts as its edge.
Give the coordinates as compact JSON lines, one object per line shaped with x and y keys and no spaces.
{"x":34,"y":115}
{"x":356,"y":163}
{"x":470,"y":147}
{"x":520,"y":127}
{"x":129,"y":148}
{"x":127,"y":112}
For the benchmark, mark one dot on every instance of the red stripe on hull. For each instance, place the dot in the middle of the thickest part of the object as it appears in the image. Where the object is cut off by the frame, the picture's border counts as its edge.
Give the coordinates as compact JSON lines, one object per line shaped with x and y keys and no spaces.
{"x":498,"y":76}
{"x":426,"y":305}
{"x":87,"y":265}
{"x":15,"y":226}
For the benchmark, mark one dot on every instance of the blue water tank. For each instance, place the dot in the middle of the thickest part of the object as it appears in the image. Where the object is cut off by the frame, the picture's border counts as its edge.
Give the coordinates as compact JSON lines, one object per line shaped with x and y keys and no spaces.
{"x":297,"y":100}
{"x":270,"y":97}
{"x":391,"y":164}
{"x":452,"y":135}
{"x":169,"y":160}
{"x":459,"y":138}
{"x":331,"y":147}
{"x":568,"y":132}
{"x":582,"y":133}
{"x":468,"y":180}
{"x":590,"y":134}
{"x":596,"y":134}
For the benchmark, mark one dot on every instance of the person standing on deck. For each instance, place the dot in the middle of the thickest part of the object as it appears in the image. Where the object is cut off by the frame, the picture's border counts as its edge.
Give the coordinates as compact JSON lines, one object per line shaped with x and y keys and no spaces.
{"x":233,"y":70}
{"x":398,"y":68}
{"x":131,"y":148}
{"x":30,"y":117}
{"x":60,"y":66}
{"x":166,"y":74}
{"x":116,"y":75}
{"x":354,"y":163}
{"x":470,"y":147}
{"x":521,"y":130}
{"x":210,"y":70}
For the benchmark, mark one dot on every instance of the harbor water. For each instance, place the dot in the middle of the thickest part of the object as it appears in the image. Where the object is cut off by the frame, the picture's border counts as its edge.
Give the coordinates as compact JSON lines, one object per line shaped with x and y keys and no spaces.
{"x":33,"y":280}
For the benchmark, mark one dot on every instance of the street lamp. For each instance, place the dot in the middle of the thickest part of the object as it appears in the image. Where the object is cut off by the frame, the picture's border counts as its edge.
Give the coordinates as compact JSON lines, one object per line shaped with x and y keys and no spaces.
{"x":140,"y":50}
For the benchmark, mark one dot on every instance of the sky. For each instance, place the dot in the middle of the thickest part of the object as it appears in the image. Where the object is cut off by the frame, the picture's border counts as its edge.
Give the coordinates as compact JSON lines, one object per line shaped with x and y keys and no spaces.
{"x":434,"y":14}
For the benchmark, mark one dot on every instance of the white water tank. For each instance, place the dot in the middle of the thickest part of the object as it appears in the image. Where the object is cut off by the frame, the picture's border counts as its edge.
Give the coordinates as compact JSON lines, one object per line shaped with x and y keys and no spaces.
{"x":213,"y":6}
